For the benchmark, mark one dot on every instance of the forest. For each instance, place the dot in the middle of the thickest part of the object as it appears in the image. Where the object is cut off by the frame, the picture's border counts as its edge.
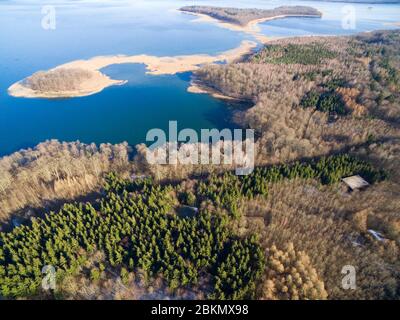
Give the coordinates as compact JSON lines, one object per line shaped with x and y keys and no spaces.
{"x":116,"y":227}
{"x":134,"y":225}
{"x":58,"y":80}
{"x":53,"y":172}
{"x":315,"y":95}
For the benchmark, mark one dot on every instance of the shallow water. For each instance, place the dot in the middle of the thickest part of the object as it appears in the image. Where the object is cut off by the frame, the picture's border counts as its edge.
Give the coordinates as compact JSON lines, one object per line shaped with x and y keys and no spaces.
{"x":125,"y":113}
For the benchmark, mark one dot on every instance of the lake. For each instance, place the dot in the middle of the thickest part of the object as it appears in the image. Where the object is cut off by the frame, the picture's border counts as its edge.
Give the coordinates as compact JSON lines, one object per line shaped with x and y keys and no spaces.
{"x":85,"y":29}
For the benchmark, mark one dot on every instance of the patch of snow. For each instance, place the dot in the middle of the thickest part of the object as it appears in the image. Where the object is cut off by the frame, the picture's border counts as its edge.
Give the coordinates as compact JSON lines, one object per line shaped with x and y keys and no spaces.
{"x":377,"y":235}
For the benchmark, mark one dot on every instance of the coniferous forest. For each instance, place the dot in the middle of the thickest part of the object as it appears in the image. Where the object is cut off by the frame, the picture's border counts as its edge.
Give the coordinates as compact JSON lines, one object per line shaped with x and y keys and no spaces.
{"x":112,"y":226}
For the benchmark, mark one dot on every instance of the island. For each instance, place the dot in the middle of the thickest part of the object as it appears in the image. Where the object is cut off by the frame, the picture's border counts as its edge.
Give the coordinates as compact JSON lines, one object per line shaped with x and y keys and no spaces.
{"x":244,"y":17}
{"x":246,"y":20}
{"x":62,"y":82}
{"x":84,"y":77}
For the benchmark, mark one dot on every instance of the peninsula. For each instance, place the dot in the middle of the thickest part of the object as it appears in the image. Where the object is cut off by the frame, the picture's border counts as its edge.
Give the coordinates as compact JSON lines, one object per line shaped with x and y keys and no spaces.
{"x":84,"y":77}
{"x":243,"y":17}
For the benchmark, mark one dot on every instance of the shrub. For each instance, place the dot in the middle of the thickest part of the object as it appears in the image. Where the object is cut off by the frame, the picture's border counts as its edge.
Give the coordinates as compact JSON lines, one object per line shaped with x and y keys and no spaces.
{"x":310,"y":100}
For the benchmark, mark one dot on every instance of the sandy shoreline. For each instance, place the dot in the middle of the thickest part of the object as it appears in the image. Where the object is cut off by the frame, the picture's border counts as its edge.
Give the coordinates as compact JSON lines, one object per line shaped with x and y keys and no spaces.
{"x":95,"y":85}
{"x":154,"y":65}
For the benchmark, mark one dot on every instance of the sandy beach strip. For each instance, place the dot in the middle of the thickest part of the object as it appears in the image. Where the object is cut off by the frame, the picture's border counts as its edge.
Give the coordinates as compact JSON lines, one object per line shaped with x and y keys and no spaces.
{"x":96,"y":84}
{"x":200,"y":88}
{"x":154,"y":65}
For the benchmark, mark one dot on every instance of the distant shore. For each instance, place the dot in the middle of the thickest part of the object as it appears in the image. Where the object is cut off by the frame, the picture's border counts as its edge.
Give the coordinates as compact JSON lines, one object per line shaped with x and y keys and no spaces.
{"x":154,"y":65}
{"x":251,"y":27}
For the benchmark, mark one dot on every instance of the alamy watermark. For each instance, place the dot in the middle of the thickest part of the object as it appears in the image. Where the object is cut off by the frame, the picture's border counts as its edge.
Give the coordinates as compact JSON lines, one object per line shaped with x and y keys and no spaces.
{"x":217,"y":147}
{"x":49,"y":278}
{"x":349,"y":280}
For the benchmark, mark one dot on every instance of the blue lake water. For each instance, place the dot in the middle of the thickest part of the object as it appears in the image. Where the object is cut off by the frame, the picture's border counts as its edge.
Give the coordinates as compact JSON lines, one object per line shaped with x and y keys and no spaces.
{"x":85,"y":29}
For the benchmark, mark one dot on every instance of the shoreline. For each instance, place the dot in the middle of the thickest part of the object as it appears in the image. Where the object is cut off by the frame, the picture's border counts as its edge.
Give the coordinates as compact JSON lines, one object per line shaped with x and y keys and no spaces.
{"x":167,"y":65}
{"x":199,"y":87}
{"x":252,"y":28}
